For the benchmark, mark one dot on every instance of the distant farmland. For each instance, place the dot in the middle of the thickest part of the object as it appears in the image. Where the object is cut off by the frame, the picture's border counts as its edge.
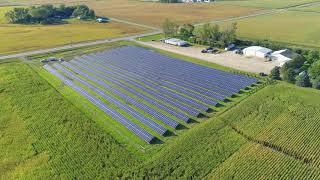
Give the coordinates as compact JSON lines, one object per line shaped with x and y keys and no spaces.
{"x":301,"y":28}
{"x":266,"y":3}
{"x":155,"y":13}
{"x":17,"y":38}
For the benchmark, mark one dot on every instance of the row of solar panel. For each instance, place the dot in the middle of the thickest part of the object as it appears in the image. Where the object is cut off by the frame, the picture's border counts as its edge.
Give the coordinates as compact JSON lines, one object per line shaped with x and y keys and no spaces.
{"x":143,"y":134}
{"x":124,"y":62}
{"x":157,"y":58}
{"x":164,"y":84}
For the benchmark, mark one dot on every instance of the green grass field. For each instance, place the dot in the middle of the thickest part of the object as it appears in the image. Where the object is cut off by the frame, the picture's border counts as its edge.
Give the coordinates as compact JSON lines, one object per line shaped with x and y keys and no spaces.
{"x":299,"y":28}
{"x":266,"y":3}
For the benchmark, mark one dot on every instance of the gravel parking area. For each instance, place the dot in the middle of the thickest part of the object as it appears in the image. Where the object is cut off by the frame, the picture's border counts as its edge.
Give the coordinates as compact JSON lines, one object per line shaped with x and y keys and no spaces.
{"x":228,"y":59}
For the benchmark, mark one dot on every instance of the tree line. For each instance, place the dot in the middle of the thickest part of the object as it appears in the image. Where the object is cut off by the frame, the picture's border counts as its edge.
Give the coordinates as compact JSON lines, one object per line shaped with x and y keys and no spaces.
{"x":207,"y":34}
{"x":48,"y":14}
{"x":303,"y":70}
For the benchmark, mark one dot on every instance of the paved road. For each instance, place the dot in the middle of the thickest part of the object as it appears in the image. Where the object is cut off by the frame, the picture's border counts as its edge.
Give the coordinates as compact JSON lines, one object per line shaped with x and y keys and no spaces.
{"x":76,"y":45}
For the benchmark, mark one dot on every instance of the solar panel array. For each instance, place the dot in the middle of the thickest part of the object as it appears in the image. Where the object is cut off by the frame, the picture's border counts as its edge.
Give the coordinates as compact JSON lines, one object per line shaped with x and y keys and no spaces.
{"x":145,"y":84}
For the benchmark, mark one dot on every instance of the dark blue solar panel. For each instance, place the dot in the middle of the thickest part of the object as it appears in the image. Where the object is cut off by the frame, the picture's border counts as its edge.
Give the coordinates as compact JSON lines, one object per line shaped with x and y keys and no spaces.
{"x":156,"y":127}
{"x":151,"y":111}
{"x":114,"y":114}
{"x":191,"y":111}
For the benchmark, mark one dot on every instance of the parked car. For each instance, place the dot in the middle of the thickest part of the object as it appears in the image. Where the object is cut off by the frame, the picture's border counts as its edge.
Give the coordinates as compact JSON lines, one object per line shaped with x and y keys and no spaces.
{"x":210,"y":50}
{"x":238,"y":51}
{"x":230,"y":47}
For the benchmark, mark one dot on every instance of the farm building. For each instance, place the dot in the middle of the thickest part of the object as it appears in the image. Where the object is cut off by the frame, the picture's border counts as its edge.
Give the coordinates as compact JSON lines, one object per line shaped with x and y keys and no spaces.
{"x":102,"y":20}
{"x":194,"y":1}
{"x":283,"y":56}
{"x":257,"y":51}
{"x":176,"y":42}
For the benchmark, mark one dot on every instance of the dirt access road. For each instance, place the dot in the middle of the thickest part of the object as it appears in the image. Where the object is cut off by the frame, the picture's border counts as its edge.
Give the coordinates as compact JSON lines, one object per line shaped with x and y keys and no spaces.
{"x":228,"y":59}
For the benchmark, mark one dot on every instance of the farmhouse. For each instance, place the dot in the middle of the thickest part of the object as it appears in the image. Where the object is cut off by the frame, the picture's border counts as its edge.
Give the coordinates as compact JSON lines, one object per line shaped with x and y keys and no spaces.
{"x":257,"y":51}
{"x":283,"y":56}
{"x":194,"y":1}
{"x":176,"y":42}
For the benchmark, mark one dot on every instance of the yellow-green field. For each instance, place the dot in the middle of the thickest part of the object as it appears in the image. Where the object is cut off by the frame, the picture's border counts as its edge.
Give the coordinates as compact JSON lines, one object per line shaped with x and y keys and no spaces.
{"x":301,"y":28}
{"x":314,"y":8}
{"x":17,"y":38}
{"x":266,"y":3}
{"x":152,"y":13}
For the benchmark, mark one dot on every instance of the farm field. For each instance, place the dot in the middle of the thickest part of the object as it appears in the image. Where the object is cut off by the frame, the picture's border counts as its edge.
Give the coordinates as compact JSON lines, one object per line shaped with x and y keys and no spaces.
{"x":304,"y":28}
{"x":266,"y":3}
{"x":17,"y":38}
{"x":67,"y":137}
{"x":154,"y":14}
{"x":314,"y":8}
{"x":46,"y":136}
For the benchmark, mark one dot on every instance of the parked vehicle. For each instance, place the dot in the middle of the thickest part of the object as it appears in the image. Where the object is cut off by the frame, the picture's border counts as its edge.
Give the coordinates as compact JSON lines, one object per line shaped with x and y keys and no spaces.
{"x":230,"y":47}
{"x":210,"y":50}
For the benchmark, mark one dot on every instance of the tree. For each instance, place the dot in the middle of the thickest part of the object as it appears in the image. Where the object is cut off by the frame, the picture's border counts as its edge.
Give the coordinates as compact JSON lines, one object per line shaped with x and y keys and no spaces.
{"x":314,"y":70}
{"x":186,"y":31}
{"x":275,"y":73}
{"x":316,"y":83}
{"x":313,"y":56}
{"x":303,"y":80}
{"x":39,"y":13}
{"x":289,"y":75}
{"x":83,"y":12}
{"x":170,"y":29}
{"x":18,"y":15}
{"x":229,"y":35}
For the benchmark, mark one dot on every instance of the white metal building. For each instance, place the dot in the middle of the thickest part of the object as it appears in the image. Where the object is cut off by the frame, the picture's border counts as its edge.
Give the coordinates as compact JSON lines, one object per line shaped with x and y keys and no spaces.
{"x":282,"y":56}
{"x":176,"y":42}
{"x":257,"y":51}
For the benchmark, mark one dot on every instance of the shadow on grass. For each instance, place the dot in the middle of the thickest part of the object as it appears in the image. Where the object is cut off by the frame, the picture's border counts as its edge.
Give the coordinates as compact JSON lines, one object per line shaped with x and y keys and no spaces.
{"x":169,"y":134}
{"x":219,"y":105}
{"x":210,"y":110}
{"x":181,"y":127}
{"x":192,"y":121}
{"x":156,"y":141}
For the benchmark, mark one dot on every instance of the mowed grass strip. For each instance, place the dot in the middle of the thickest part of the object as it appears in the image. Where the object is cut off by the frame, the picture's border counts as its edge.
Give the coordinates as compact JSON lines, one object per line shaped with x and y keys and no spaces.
{"x":154,"y":14}
{"x":18,"y":38}
{"x":299,"y":28}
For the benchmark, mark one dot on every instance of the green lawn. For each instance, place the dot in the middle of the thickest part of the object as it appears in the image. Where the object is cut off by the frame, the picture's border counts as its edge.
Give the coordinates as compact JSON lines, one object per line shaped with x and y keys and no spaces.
{"x":266,"y":3}
{"x":299,"y":28}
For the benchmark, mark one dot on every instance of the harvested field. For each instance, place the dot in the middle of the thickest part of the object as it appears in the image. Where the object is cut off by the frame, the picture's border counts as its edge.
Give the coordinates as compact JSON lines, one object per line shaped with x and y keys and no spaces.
{"x":155,"y":13}
{"x":17,"y":38}
{"x":266,"y":3}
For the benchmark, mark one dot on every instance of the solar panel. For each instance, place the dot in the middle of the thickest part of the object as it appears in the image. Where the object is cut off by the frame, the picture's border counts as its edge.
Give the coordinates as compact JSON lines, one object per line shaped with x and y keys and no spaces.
{"x":114,"y":114}
{"x":148,"y":122}
{"x":165,"y":119}
{"x":106,"y":75}
{"x":140,"y":81}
